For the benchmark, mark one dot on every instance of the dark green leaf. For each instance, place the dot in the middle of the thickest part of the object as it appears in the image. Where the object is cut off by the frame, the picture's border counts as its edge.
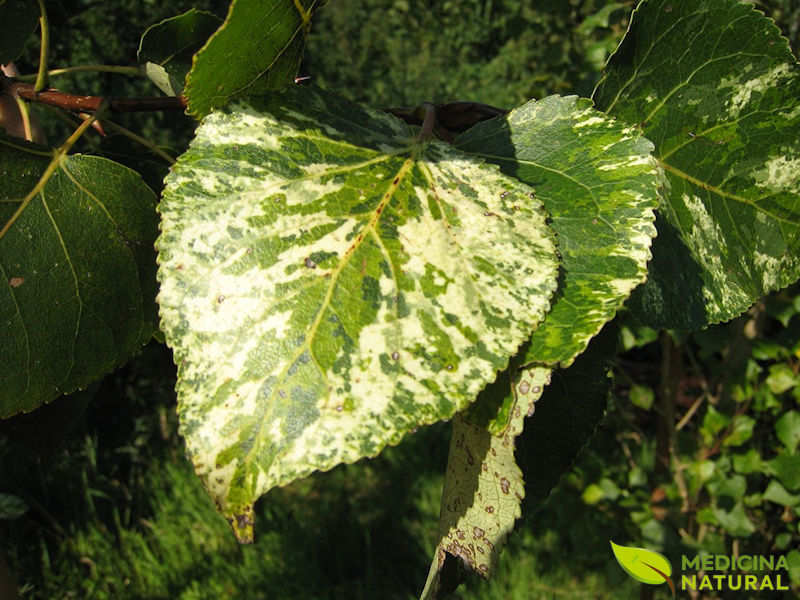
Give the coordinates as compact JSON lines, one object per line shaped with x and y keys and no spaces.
{"x":77,"y":277}
{"x":166,"y":48}
{"x":716,"y":87}
{"x":11,"y":506}
{"x":565,"y":418}
{"x":258,"y":48}
{"x":19,"y":18}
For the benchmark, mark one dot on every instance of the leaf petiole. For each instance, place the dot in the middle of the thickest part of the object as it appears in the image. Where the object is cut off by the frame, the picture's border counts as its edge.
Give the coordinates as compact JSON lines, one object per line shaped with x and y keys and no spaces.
{"x":41,"y":76}
{"x":119,"y":69}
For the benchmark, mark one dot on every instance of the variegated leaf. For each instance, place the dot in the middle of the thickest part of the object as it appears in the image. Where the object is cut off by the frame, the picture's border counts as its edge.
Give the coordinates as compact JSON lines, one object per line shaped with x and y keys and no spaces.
{"x":483,"y":487}
{"x":600,"y":185}
{"x":716,"y":87}
{"x":328,"y":283}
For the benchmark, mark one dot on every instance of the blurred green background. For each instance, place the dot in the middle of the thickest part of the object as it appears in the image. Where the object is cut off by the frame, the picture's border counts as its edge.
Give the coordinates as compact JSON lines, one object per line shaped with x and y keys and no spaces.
{"x":98,"y":501}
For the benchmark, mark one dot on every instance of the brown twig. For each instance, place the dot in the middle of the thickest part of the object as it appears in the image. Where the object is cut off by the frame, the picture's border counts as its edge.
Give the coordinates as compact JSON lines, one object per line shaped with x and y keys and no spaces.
{"x":83,"y":103}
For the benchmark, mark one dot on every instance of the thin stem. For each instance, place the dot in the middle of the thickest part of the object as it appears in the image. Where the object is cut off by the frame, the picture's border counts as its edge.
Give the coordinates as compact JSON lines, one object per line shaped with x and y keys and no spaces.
{"x":44,"y":25}
{"x":26,"y":118}
{"x":58,"y":154}
{"x":139,"y":139}
{"x":92,"y":103}
{"x":121,"y":70}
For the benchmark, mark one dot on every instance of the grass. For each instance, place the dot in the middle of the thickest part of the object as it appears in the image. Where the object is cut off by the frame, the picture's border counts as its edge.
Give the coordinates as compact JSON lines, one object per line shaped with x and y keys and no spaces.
{"x":117,"y":512}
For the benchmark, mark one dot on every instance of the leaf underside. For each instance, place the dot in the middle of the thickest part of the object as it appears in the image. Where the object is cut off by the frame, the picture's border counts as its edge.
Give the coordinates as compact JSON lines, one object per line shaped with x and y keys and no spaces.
{"x":483,"y":487}
{"x":166,"y":48}
{"x":717,"y":89}
{"x":258,"y":48}
{"x":70,"y":312}
{"x":328,"y":283}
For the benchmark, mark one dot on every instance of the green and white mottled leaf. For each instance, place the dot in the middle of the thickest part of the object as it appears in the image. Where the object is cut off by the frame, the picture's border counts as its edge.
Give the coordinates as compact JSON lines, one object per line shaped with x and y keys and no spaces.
{"x":329,"y":283}
{"x":483,"y":487}
{"x":258,"y":48}
{"x":600,"y":185}
{"x":717,"y":89}
{"x":77,"y":273}
{"x":166,"y":48}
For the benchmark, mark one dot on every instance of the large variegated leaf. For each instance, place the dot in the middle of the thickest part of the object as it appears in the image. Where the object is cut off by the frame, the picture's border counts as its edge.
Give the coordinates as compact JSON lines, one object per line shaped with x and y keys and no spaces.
{"x":77,"y":273}
{"x":600,"y":185}
{"x":717,"y":89}
{"x":328,"y":283}
{"x":258,"y":48}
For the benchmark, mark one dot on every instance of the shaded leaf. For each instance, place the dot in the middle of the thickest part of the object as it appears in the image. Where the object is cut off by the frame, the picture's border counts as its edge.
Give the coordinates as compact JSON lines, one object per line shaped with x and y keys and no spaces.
{"x":599,"y":184}
{"x":328,"y":283}
{"x":565,"y":419}
{"x":258,"y":48}
{"x":716,"y":87}
{"x":166,"y":48}
{"x":20,"y":17}
{"x":77,"y":277}
{"x":11,"y":507}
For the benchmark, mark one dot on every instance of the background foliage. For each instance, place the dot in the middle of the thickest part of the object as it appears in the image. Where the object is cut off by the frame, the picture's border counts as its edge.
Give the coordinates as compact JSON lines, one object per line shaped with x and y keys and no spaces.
{"x":114,"y":510}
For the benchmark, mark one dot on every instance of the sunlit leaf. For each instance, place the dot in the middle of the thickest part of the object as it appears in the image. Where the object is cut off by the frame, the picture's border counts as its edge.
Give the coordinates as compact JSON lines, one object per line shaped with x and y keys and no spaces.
{"x":600,"y":185}
{"x":716,"y":88}
{"x":258,"y":48}
{"x":77,"y":276}
{"x":328,"y":283}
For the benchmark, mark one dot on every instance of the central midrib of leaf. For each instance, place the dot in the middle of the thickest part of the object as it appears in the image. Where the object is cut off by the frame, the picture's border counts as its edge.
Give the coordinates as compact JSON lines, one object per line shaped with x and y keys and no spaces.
{"x":368,"y":229}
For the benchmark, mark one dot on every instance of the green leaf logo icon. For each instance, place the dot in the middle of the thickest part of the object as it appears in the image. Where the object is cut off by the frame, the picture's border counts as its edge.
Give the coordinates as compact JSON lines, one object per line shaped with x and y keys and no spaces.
{"x":644,"y":565}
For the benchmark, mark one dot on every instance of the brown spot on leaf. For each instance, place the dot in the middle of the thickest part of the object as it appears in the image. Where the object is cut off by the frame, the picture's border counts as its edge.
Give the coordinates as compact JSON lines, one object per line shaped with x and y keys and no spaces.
{"x":478,"y":532}
{"x":310,"y":263}
{"x":15,"y":282}
{"x":505,"y":485}
{"x":524,"y":387}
